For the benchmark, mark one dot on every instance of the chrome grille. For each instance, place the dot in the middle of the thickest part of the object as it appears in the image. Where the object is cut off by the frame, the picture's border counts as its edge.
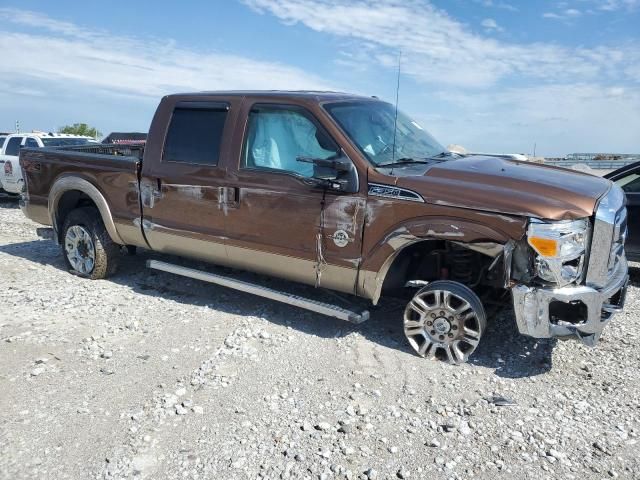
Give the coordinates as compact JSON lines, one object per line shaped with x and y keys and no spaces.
{"x":607,"y":241}
{"x":619,"y":237}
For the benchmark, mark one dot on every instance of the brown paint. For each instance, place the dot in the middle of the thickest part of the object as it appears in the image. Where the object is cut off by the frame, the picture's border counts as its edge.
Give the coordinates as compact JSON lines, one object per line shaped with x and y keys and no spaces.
{"x":269,"y":222}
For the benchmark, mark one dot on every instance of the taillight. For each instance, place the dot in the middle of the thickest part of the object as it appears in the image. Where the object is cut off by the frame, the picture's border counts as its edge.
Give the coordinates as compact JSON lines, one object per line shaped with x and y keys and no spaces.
{"x":8,"y":168}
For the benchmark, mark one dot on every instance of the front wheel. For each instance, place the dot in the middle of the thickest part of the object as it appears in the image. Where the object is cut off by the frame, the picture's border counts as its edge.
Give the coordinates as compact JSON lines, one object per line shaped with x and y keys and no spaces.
{"x":86,"y":245}
{"x":445,"y":320}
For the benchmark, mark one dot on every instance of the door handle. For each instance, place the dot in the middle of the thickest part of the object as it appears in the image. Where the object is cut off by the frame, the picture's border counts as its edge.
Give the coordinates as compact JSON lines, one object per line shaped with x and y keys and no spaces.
{"x":149,"y":193}
{"x":229,"y":196}
{"x":234,"y":195}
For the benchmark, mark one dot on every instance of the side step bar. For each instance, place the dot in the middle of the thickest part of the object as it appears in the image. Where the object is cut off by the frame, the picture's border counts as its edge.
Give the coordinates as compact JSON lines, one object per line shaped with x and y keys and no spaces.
{"x":313,"y":305}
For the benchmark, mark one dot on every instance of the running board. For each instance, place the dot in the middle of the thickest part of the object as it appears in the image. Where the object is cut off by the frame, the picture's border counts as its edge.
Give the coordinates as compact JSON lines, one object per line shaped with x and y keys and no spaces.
{"x":288,"y":298}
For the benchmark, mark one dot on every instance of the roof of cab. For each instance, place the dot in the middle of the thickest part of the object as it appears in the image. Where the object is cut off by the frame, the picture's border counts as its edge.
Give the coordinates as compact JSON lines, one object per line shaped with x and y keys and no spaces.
{"x":319,"y":96}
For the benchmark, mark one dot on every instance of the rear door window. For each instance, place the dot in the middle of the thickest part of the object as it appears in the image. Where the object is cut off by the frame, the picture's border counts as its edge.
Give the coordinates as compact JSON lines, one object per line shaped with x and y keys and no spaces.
{"x":13,"y":146}
{"x":31,"y":143}
{"x":195,"y":133}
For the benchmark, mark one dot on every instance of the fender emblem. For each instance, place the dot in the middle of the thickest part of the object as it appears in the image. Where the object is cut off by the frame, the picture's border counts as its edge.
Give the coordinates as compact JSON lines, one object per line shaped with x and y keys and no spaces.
{"x":340,"y":238}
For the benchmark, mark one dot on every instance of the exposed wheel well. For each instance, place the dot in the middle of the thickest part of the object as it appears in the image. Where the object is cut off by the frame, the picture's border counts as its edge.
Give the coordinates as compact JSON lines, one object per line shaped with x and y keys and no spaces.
{"x":433,"y":260}
{"x":69,"y":201}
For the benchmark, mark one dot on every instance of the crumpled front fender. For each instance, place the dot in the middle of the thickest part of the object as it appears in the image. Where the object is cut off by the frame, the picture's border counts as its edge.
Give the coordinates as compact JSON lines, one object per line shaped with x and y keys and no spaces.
{"x":473,"y":235}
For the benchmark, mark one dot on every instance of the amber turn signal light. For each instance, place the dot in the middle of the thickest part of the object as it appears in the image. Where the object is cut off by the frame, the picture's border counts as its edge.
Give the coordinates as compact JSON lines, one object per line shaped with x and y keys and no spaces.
{"x":544,"y":246}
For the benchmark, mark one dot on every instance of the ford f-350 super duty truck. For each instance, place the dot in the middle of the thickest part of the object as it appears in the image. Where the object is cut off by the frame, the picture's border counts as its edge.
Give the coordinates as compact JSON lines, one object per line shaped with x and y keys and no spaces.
{"x":340,"y":192}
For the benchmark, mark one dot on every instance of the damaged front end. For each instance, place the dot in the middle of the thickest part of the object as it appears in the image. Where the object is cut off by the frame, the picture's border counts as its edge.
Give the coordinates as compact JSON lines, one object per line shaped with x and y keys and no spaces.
{"x":578,"y":274}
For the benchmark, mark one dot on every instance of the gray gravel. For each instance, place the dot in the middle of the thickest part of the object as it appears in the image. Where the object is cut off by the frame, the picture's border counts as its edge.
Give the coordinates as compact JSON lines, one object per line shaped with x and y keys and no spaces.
{"x":147,"y":375}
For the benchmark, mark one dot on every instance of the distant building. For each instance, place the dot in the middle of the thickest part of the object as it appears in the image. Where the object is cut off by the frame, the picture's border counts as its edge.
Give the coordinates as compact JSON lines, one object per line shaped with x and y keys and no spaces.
{"x":589,"y":157}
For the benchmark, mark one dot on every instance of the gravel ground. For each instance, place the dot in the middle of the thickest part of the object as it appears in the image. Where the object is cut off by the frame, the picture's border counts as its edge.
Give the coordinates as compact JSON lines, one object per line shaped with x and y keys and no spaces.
{"x":148,"y":375}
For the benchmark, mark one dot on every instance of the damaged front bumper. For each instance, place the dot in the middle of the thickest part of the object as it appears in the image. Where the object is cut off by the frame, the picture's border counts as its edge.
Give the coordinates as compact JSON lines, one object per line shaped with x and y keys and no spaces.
{"x":578,"y":311}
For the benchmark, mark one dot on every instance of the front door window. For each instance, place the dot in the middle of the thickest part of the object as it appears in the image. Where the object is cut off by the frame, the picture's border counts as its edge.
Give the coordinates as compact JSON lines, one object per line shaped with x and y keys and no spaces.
{"x":278,"y":137}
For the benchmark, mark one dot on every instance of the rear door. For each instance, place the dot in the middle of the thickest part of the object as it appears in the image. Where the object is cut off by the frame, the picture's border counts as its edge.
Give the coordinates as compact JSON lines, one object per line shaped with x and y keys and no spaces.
{"x":281,"y":224}
{"x":183,"y":192}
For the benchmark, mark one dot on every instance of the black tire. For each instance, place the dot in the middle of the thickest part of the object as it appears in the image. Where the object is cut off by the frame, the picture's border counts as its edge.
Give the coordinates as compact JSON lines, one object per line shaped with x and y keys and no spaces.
{"x":437,"y":317}
{"x":107,"y":253}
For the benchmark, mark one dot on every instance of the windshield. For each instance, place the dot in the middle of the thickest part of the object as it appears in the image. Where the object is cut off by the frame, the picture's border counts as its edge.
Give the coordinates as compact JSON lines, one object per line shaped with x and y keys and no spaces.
{"x":63,"y":141}
{"x":370,"y":125}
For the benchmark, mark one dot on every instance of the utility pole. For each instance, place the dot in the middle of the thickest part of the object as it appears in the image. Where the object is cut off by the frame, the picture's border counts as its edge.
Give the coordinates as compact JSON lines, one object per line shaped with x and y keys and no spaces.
{"x":534,"y":149}
{"x":17,"y":126}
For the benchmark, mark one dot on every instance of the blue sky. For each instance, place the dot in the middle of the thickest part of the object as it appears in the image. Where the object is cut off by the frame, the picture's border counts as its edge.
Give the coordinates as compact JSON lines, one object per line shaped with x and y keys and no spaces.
{"x":491,"y":75}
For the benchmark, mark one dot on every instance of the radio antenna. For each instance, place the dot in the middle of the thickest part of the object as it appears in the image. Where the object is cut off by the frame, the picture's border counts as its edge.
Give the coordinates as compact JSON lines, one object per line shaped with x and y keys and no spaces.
{"x":395,"y":119}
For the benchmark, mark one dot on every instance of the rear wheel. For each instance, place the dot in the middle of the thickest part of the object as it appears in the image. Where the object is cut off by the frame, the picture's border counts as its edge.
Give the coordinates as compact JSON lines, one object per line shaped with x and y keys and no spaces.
{"x":86,"y":245}
{"x":445,"y":320}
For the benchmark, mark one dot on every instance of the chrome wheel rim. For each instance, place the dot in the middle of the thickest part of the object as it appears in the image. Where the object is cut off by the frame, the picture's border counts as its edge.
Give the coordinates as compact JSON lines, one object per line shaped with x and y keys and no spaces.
{"x":440,"y":324}
{"x":80,"y":250}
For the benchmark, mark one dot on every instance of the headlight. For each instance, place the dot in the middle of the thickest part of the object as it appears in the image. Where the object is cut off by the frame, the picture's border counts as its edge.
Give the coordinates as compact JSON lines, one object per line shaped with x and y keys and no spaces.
{"x":560,"y":248}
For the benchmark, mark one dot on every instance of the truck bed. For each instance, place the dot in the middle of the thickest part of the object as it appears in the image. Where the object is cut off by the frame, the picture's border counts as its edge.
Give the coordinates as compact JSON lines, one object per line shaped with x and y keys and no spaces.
{"x":112,"y":169}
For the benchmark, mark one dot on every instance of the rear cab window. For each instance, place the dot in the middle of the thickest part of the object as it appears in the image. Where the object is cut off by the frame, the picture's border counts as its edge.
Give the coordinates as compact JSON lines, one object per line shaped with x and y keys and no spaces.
{"x":31,"y":143}
{"x":13,"y":146}
{"x":195,"y":133}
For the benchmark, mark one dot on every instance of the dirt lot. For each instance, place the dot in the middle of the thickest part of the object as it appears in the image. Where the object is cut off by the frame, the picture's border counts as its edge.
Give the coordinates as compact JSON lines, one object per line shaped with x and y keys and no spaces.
{"x":148,"y":375}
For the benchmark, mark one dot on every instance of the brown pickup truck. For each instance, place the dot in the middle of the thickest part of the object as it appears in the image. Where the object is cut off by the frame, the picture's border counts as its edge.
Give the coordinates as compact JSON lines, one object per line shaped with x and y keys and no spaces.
{"x":343,"y":192}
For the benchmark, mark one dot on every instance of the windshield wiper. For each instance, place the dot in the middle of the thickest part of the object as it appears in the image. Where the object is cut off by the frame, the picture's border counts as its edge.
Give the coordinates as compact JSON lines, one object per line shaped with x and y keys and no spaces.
{"x":402,"y":161}
{"x":446,"y":153}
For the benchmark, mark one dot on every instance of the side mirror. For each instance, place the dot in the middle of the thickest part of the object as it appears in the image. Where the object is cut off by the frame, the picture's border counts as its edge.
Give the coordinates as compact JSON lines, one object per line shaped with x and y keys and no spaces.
{"x":336,"y":173}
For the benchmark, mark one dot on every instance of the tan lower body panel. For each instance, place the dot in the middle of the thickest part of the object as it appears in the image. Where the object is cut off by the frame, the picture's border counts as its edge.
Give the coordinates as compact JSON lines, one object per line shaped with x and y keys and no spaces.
{"x":342,"y":279}
{"x":131,"y":234}
{"x":37,"y":213}
{"x":209,"y":251}
{"x":370,"y":285}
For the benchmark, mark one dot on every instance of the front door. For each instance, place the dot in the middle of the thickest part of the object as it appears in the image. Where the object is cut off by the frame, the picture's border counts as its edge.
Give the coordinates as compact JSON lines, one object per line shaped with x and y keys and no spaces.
{"x":282,"y":224}
{"x":633,"y":224}
{"x":183,"y":194}
{"x":630,"y":183}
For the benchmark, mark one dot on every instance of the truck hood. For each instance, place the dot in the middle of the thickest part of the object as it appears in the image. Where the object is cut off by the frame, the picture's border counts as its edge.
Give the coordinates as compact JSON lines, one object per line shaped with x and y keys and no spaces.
{"x":510,"y":187}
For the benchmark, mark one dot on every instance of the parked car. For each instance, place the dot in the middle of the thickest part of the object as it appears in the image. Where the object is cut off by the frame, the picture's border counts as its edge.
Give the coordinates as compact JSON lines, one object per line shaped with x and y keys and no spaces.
{"x":3,"y":137}
{"x":10,"y":173}
{"x":628,"y":178}
{"x":333,"y":190}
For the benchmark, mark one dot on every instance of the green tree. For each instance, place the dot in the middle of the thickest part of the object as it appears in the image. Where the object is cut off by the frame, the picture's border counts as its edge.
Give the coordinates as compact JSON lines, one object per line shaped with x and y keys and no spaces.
{"x":80,"y":129}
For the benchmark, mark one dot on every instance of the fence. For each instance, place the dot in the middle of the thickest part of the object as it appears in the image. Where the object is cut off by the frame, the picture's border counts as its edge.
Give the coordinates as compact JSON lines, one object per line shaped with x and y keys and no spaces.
{"x":595,"y":164}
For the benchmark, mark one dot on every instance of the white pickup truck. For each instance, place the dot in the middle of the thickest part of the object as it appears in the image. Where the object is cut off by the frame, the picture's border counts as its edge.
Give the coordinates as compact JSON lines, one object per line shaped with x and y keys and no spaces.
{"x":11,"y":180}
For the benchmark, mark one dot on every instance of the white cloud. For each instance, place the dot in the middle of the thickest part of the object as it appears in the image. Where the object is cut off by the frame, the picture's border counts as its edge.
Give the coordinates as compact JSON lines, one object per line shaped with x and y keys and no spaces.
{"x":65,"y":53}
{"x":613,"y":5}
{"x":501,"y":5}
{"x":567,"y":98}
{"x":566,"y":14}
{"x":560,"y":118}
{"x":490,"y":25}
{"x":439,"y":49}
